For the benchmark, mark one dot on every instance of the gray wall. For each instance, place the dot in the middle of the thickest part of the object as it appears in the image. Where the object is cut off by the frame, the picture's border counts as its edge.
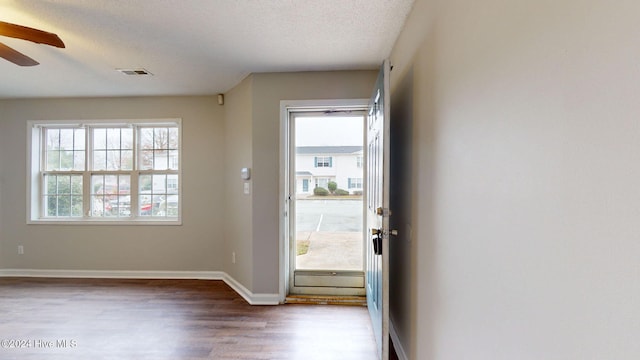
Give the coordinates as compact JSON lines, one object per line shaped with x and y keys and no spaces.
{"x":238,"y":218}
{"x":524,"y":156}
{"x":252,"y":139}
{"x":218,"y":218}
{"x":269,"y":90}
{"x":193,"y":246}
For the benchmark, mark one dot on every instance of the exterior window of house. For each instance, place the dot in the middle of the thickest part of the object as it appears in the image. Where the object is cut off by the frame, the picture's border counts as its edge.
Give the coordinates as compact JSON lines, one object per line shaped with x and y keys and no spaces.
{"x":323,"y":161}
{"x":323,"y":182}
{"x":359,"y":160}
{"x":124,"y":172}
{"x":355,"y":183}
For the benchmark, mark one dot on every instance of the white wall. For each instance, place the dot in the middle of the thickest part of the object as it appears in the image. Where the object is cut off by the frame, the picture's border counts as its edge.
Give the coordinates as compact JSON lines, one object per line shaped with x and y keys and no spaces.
{"x":525,"y":157}
{"x":194,"y":246}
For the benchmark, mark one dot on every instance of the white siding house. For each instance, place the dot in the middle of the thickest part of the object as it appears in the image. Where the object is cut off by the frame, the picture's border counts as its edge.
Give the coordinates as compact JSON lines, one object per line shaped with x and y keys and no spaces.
{"x":317,"y":165}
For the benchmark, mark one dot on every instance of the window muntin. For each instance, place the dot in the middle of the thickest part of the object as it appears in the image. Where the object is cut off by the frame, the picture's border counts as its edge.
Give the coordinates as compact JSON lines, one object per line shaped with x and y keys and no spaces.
{"x":98,"y":172}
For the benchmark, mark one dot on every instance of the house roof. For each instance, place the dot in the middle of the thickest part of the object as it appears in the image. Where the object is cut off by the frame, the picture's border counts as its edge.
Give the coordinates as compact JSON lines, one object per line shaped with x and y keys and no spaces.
{"x":312,"y":150}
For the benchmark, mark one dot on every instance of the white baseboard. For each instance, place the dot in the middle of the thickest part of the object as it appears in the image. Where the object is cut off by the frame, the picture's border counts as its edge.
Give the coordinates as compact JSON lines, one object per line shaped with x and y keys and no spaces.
{"x":251,"y":298}
{"x":397,"y":344}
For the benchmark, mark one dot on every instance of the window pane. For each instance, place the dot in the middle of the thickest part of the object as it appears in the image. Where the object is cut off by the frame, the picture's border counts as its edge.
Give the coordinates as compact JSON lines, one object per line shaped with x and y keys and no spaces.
{"x":160,"y":138}
{"x":146,"y":159}
{"x":113,"y":138}
{"x":146,"y":138}
{"x":53,"y":160}
{"x":53,"y":139}
{"x":172,"y":184}
{"x":78,"y":160}
{"x":173,"y":160}
{"x":144,"y":183}
{"x":99,"y":139}
{"x":100,"y":160}
{"x":172,"y":205}
{"x":66,"y":160}
{"x":126,"y":138}
{"x":52,"y":205}
{"x":160,"y":160}
{"x":113,"y":160}
{"x":76,"y":208}
{"x":66,"y":139}
{"x":173,"y":138}
{"x":79,"y":139}
{"x":126,"y":160}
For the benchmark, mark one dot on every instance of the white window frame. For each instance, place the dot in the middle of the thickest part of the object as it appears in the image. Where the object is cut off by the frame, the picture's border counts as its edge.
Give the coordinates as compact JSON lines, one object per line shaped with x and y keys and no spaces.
{"x":323,"y":161}
{"x":35,"y":166}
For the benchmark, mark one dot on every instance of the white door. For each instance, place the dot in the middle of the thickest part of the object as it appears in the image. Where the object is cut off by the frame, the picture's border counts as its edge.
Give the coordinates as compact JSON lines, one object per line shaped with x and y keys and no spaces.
{"x":377,"y":255}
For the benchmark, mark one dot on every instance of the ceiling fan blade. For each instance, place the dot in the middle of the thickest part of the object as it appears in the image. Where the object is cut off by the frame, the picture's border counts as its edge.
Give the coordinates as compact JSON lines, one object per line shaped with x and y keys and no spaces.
{"x":30,"y":34}
{"x":16,"y":57}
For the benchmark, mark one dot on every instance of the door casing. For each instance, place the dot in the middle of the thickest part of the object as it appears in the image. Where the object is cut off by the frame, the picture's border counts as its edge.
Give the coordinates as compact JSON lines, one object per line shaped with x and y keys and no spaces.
{"x":287,"y":188}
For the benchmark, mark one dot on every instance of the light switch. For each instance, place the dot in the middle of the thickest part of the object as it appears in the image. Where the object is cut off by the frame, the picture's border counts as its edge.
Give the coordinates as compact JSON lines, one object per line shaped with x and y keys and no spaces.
{"x":247,"y":189}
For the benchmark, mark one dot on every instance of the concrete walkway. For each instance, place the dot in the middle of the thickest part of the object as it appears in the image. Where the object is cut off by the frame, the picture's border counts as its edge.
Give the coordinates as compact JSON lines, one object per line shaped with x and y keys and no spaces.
{"x":331,"y":251}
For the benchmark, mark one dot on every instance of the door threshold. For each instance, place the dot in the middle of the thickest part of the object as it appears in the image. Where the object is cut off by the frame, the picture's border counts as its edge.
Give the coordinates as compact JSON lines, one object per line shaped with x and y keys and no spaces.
{"x":326,"y":300}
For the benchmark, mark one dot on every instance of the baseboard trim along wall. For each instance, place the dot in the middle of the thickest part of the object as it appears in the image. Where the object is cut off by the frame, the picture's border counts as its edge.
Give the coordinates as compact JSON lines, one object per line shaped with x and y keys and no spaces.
{"x":397,"y":345}
{"x":251,"y":298}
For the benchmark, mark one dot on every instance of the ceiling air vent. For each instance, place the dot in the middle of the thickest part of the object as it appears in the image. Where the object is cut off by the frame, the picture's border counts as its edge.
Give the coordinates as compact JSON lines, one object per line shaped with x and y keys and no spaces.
{"x":135,"y":72}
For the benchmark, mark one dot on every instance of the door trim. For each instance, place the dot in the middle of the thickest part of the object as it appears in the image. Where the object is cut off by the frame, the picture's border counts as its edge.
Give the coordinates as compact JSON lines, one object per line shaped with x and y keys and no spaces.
{"x":286,"y":108}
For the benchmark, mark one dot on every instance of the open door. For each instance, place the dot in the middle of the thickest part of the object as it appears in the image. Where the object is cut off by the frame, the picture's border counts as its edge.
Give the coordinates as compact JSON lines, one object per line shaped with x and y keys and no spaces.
{"x":377,"y":180}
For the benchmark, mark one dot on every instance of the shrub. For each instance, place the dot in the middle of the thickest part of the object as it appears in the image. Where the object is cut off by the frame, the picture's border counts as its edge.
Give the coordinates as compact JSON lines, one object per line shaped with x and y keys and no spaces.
{"x":341,"y":192}
{"x":332,"y":185}
{"x":319,"y":191}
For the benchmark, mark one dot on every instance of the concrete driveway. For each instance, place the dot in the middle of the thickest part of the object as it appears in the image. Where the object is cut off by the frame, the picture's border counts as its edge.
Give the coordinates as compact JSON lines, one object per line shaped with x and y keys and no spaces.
{"x":333,"y":230}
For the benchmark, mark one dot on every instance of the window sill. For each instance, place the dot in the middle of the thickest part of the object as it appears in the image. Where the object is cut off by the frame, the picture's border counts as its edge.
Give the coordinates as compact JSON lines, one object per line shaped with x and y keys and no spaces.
{"x":139,"y":222}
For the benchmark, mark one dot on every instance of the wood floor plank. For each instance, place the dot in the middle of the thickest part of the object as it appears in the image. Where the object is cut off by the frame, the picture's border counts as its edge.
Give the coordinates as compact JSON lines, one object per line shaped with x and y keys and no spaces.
{"x":44,"y":318}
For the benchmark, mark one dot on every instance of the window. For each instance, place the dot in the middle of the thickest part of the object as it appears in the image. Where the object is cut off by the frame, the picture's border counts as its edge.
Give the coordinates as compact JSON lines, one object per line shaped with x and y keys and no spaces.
{"x":123,"y":172}
{"x":323,"y":182}
{"x":323,"y":161}
{"x":355,"y":183}
{"x":359,"y":160}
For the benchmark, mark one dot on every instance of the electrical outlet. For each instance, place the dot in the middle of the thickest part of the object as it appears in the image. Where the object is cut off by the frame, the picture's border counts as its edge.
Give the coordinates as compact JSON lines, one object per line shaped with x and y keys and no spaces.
{"x":233,"y":257}
{"x":20,"y":250}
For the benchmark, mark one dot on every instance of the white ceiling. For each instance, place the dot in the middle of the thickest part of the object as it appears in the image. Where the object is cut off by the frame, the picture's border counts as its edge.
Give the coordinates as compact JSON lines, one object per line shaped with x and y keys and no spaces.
{"x":191,"y":46}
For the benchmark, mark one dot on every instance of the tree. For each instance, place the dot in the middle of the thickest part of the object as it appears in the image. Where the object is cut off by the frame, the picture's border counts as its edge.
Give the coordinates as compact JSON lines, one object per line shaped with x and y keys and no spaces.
{"x":332,"y":185}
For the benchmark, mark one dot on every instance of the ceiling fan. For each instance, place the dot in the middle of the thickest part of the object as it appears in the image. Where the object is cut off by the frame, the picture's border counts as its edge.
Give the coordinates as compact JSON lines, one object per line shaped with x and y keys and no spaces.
{"x":29,"y":34}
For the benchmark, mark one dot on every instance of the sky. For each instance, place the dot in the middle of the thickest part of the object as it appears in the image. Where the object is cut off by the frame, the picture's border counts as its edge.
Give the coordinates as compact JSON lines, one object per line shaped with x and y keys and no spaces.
{"x":329,"y":131}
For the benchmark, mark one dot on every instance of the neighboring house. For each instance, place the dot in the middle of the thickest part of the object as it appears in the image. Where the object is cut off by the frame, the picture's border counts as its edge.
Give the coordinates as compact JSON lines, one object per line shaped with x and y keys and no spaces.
{"x":316,"y":166}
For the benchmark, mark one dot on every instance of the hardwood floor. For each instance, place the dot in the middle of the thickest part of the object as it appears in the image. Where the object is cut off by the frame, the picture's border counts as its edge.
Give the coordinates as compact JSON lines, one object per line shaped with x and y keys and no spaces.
{"x":43,"y":318}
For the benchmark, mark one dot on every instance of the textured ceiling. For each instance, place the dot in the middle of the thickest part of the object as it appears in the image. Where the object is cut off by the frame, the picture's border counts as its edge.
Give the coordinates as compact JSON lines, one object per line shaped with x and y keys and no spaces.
{"x":191,"y":46}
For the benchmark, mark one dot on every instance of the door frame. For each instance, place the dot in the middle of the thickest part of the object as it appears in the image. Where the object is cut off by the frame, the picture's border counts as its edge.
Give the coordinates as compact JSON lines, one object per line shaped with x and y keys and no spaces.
{"x":286,"y":108}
